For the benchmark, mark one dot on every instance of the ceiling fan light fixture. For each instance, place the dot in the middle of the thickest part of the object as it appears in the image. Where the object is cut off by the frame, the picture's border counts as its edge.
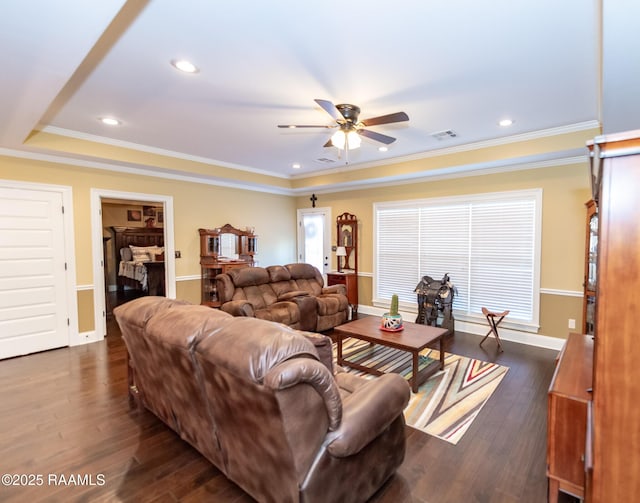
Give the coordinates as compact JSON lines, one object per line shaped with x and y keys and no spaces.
{"x":351,"y":138}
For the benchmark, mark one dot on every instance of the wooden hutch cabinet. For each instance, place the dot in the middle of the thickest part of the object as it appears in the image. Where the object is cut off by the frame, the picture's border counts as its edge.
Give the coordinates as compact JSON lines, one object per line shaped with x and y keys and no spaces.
{"x":613,"y":447}
{"x":347,"y":259}
{"x":611,"y":444}
{"x":222,"y":249}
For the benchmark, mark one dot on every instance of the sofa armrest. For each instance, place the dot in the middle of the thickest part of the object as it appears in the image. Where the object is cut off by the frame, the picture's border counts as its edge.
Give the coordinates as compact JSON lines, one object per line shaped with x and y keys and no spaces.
{"x":367,"y":412}
{"x":292,"y":295}
{"x":334,"y":289}
{"x":238,"y":308}
{"x":312,"y":372}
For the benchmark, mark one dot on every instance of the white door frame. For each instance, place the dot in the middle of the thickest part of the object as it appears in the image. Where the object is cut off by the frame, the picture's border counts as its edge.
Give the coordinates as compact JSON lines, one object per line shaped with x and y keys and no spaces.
{"x":99,"y":301}
{"x":69,"y":251}
{"x":326,"y":211}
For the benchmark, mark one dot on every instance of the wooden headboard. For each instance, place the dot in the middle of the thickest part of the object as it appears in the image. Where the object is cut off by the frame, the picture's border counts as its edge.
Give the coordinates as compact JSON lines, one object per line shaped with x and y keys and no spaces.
{"x":137,"y":236}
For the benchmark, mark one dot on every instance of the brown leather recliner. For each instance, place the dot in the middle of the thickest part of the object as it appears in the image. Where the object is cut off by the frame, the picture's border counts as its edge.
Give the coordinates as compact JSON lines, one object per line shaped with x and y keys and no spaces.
{"x":248,"y":292}
{"x":293,"y":294}
{"x":332,"y":301}
{"x":253,"y":397}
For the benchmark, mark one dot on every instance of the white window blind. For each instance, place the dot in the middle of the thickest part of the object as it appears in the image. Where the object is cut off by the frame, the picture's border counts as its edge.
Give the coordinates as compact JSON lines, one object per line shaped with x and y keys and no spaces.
{"x":489,"y":245}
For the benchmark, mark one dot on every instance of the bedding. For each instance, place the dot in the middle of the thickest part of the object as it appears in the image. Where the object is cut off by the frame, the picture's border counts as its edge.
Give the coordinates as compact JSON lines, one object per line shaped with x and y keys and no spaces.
{"x":136,"y":271}
{"x":132,"y":260}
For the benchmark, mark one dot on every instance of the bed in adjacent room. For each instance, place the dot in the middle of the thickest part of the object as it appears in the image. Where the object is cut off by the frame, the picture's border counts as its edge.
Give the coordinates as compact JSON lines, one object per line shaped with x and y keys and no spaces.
{"x":139,"y":255}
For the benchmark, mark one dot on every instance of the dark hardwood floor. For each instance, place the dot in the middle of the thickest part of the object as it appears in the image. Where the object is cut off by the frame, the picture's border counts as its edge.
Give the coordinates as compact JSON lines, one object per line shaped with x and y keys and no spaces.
{"x":65,"y":413}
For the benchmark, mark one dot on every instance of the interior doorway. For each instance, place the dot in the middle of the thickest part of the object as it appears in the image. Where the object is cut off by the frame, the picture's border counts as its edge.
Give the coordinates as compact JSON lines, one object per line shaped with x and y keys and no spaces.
{"x":126,"y":210}
{"x":121,"y":216}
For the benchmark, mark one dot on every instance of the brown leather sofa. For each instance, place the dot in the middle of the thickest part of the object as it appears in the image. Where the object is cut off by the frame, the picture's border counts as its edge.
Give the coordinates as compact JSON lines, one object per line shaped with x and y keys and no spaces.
{"x":292,"y":294}
{"x":254,"y":398}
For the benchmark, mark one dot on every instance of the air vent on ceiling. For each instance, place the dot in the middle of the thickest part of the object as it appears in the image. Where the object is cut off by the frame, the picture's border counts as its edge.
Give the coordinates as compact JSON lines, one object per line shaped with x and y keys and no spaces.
{"x":444,"y":135}
{"x":325,"y":160}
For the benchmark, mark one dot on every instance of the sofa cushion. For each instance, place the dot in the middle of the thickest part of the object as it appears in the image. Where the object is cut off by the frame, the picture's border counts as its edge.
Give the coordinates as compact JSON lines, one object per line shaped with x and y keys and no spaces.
{"x":278,"y":273}
{"x":260,"y":296}
{"x":331,"y":304}
{"x":306,"y":277}
{"x":139,"y":311}
{"x":250,"y":347}
{"x":280,"y":312}
{"x":186,"y":325}
{"x":248,"y":276}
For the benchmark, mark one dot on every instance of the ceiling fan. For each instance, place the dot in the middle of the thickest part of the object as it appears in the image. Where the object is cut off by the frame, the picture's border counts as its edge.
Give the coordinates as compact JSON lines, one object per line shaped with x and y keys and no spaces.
{"x":350,"y":127}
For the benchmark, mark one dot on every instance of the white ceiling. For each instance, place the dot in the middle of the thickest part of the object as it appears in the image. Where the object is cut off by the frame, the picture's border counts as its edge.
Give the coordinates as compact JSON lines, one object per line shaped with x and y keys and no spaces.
{"x":460,"y":64}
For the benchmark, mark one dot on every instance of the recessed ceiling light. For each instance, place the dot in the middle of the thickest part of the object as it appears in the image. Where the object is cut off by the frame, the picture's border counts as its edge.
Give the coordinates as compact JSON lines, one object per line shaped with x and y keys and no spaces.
{"x":109,"y":121}
{"x":505,"y":122}
{"x":185,"y":66}
{"x":383,"y":149}
{"x":296,"y":166}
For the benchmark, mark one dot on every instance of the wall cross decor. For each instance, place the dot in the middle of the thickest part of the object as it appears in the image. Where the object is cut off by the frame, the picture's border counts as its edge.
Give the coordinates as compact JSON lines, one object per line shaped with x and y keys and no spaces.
{"x":313,"y":200}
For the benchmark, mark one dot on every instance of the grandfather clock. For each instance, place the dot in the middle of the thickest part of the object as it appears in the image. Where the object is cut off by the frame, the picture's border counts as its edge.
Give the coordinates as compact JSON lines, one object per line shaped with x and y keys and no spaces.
{"x":347,"y":259}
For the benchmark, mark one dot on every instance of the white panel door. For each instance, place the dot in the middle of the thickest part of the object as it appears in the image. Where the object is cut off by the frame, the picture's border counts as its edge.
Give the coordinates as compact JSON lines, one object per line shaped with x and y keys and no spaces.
{"x":314,"y":237}
{"x":33,"y":301}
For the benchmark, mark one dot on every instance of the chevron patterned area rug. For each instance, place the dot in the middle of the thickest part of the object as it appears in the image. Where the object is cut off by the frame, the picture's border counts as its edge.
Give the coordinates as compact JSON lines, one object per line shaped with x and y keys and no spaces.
{"x":448,"y":401}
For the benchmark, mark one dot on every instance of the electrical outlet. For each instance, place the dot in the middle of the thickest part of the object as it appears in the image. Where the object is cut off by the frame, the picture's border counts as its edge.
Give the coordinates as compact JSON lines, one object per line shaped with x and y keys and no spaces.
{"x":178,"y":254}
{"x":572,"y":323}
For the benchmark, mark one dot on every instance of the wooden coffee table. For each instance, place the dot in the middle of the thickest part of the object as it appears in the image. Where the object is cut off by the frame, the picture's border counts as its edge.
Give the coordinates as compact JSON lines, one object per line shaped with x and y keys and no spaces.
{"x":413,"y":339}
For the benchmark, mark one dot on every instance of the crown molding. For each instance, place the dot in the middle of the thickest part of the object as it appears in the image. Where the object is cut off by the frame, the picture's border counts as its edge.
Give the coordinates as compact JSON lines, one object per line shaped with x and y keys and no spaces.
{"x":446,"y":173}
{"x":154,"y":150}
{"x":393,"y":180}
{"x":496,"y":142}
{"x":144,"y":171}
{"x":487,"y":168}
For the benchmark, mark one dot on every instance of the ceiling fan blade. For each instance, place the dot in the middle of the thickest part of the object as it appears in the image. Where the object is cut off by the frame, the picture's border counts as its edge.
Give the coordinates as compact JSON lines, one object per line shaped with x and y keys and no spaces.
{"x":331,"y":109}
{"x":328,"y":144}
{"x":386,"y":119}
{"x":382,"y":138}
{"x":296,"y":126}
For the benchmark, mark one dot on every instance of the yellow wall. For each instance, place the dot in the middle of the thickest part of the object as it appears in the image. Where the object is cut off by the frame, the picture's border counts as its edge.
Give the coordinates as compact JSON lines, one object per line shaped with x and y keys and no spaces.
{"x":195,"y":205}
{"x":565,"y":190}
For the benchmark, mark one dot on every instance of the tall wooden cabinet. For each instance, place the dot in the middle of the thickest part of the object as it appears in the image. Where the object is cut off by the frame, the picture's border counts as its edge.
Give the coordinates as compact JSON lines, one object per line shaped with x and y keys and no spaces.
{"x":347,"y":259}
{"x":222,"y":249}
{"x":614,"y":472}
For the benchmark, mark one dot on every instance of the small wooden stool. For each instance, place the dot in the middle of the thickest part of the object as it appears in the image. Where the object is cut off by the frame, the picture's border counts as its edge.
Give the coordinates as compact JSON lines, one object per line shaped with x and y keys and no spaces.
{"x":493,"y":324}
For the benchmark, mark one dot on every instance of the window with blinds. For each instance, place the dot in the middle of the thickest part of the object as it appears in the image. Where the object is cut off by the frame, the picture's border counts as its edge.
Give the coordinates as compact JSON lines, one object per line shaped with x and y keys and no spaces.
{"x":489,"y":244}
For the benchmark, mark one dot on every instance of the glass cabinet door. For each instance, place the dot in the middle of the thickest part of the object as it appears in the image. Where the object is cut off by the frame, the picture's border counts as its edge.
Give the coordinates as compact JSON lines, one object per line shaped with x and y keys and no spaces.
{"x":209,"y":294}
{"x":593,"y":252}
{"x":590,"y":269}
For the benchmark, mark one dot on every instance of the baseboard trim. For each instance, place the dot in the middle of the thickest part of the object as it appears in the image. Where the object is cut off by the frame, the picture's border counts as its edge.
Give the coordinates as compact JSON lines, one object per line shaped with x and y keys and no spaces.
{"x":538,"y":340}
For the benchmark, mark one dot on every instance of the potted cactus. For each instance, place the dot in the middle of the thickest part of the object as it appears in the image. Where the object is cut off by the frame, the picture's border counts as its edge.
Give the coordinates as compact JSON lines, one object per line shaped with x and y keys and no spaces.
{"x":392,"y":321}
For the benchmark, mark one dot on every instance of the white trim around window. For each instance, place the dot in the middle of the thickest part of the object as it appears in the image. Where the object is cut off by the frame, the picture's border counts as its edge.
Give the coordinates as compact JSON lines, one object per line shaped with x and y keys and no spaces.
{"x":489,"y":244}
